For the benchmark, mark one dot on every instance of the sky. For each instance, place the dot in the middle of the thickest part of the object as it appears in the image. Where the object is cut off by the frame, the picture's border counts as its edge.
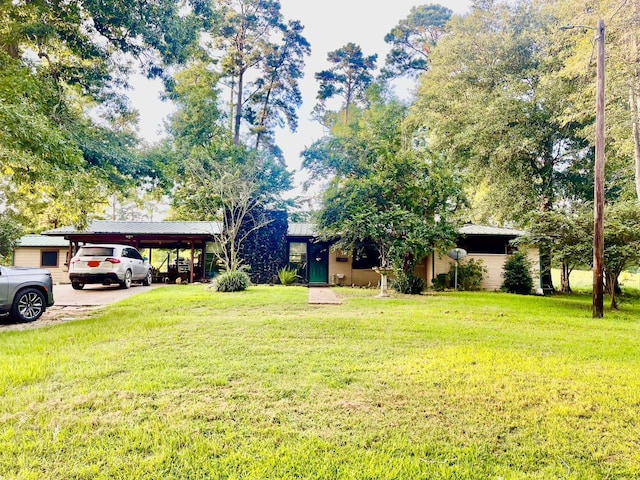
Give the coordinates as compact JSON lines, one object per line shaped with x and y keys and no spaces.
{"x":329,"y":25}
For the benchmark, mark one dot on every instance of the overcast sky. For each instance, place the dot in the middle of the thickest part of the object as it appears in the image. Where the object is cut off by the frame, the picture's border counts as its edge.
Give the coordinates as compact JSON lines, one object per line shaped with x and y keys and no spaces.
{"x":329,"y":25}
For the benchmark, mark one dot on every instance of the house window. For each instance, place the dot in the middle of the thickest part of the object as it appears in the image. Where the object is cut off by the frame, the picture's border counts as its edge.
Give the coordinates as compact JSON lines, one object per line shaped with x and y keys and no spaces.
{"x":298,"y":258}
{"x":49,"y":258}
{"x":298,"y":254}
{"x":366,"y":257}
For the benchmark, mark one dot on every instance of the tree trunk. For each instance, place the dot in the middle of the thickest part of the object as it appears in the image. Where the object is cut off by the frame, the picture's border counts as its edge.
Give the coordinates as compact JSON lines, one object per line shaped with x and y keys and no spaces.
{"x":545,"y":269}
{"x":565,"y":286}
{"x":611,"y":288}
{"x":634,"y":104}
{"x":236,"y":127}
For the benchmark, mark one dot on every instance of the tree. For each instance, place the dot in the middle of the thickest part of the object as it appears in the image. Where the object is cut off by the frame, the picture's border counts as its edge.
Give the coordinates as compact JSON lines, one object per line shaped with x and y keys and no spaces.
{"x":388,"y":191}
{"x":622,"y":84}
{"x":58,"y":62}
{"x":277,"y":93}
{"x":10,"y":233}
{"x":563,"y":234}
{"x":412,"y":40}
{"x":493,"y":104}
{"x":231,"y":185}
{"x":621,"y":243}
{"x":252,"y":37}
{"x":349,"y":77}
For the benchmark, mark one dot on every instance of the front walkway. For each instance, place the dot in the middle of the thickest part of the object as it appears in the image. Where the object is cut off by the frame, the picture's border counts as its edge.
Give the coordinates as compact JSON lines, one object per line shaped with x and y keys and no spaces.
{"x":322,"y":296}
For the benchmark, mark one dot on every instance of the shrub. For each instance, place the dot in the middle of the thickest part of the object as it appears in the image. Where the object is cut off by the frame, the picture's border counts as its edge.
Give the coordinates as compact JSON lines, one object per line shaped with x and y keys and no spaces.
{"x":408,"y":283}
{"x":232,"y":281}
{"x":470,"y":274}
{"x":287,"y":275}
{"x":441,"y":282}
{"x":517,"y":274}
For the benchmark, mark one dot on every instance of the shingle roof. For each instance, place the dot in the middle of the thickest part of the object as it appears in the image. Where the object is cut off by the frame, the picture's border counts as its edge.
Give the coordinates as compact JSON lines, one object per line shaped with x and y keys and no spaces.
{"x":42,"y":241}
{"x":144,"y":228}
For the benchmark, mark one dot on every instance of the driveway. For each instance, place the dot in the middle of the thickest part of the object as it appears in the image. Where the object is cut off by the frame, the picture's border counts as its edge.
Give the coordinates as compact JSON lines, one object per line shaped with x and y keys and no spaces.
{"x":77,"y":304}
{"x":96,"y":295}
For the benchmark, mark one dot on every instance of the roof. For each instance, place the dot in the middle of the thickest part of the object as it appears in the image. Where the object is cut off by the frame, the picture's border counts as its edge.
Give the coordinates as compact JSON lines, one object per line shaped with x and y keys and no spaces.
{"x":301,"y":230}
{"x":470,"y":229}
{"x":309,"y":229}
{"x":143,"y":228}
{"x":42,"y":241}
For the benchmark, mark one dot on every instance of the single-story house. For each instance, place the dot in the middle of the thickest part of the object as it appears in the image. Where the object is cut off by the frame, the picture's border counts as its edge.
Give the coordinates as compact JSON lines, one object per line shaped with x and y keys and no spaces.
{"x":51,"y":253}
{"x":297,"y":246}
{"x":319,"y":264}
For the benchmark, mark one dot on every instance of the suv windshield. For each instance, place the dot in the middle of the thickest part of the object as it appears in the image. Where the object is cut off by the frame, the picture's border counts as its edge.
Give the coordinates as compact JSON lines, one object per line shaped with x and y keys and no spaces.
{"x":95,"y":252}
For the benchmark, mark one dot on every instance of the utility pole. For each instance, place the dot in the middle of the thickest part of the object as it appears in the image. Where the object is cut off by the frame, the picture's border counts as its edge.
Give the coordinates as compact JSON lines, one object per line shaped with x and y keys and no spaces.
{"x":598,"y":181}
{"x":598,"y":187}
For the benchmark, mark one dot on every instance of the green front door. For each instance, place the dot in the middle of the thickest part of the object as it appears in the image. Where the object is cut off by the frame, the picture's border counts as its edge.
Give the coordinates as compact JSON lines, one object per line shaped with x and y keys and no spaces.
{"x":318,"y":263}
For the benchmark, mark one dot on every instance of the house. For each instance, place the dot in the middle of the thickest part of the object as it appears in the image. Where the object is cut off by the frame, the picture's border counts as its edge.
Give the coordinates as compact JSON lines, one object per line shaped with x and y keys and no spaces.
{"x":296,"y":245}
{"x":51,"y":253}
{"x":319,"y":264}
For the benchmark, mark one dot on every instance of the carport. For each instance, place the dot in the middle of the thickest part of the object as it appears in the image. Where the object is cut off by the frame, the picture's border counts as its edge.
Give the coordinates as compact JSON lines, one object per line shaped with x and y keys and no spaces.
{"x":190,"y":236}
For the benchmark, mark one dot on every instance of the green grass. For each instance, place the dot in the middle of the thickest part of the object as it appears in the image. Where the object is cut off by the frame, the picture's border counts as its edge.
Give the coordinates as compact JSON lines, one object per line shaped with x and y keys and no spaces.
{"x":583,"y":279}
{"x":185,"y":383}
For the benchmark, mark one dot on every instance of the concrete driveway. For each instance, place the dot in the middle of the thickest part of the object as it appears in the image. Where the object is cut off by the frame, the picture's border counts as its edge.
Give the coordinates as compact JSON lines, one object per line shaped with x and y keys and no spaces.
{"x":96,"y":295}
{"x":77,"y":304}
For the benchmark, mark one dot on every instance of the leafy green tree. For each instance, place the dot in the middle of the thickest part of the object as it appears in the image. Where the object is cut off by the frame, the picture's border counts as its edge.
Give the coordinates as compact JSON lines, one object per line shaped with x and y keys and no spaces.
{"x":68,"y":131}
{"x":563,"y":234}
{"x":622,"y":36}
{"x":494,"y":106}
{"x":621,"y":243}
{"x":412,"y":40}
{"x":387,"y":191}
{"x":349,"y":78}
{"x":489,"y":107}
{"x":10,"y":233}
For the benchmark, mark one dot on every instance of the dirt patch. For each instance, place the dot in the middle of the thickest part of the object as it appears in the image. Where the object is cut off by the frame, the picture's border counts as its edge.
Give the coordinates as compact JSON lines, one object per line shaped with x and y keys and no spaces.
{"x":53,"y":316}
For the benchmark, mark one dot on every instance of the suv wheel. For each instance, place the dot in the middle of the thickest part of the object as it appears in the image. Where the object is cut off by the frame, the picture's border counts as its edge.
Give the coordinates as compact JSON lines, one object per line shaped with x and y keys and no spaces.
{"x":126,"y":283}
{"x":148,"y":279}
{"x":29,"y":305}
{"x":77,"y":285}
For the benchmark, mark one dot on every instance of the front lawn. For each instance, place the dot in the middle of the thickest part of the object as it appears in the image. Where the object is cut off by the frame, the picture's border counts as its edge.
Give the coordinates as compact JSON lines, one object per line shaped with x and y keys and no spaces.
{"x":184,"y":383}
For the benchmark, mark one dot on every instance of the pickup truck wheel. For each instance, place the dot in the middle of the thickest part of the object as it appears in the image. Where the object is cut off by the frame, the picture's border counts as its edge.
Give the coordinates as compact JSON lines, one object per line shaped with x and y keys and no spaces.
{"x":29,"y":305}
{"x":77,"y":285}
{"x":126,"y":283}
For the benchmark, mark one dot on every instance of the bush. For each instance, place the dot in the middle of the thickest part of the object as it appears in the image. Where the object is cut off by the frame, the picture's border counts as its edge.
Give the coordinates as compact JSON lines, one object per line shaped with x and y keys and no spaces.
{"x":287,"y":275}
{"x":441,"y":282}
{"x":408,"y":283}
{"x":517,"y":274}
{"x":233,"y":281}
{"x":470,"y":274}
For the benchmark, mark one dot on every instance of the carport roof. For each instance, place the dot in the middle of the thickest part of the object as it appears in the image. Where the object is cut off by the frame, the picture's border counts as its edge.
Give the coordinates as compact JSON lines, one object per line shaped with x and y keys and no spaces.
{"x":98,"y":227}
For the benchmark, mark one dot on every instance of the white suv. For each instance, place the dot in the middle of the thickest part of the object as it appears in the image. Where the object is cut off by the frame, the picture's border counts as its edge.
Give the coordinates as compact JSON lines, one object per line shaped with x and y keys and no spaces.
{"x":107,"y":264}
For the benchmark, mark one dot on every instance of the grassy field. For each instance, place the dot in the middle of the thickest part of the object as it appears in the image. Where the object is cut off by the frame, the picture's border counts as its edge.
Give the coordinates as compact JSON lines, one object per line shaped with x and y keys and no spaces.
{"x":184,"y":383}
{"x":583,"y":279}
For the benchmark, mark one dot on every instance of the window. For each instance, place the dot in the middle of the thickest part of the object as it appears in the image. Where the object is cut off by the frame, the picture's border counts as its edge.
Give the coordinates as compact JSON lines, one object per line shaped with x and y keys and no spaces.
{"x":298,"y":253}
{"x":49,"y":258}
{"x":366,"y":257}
